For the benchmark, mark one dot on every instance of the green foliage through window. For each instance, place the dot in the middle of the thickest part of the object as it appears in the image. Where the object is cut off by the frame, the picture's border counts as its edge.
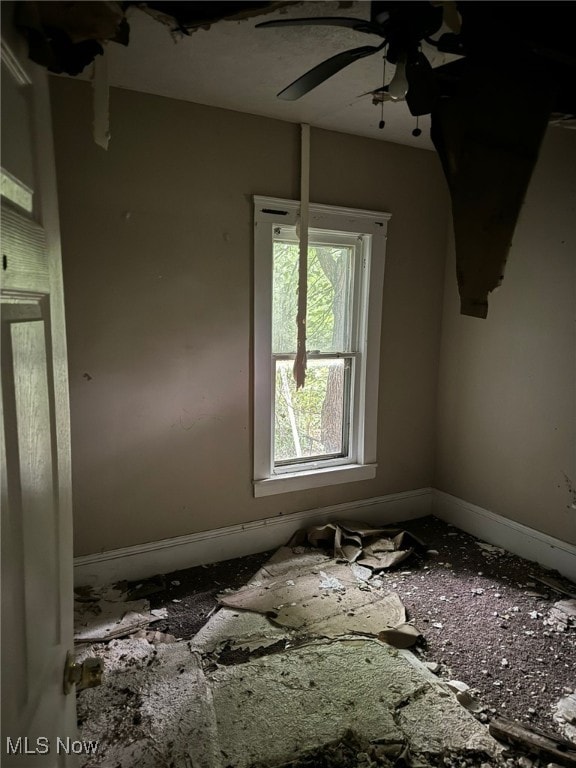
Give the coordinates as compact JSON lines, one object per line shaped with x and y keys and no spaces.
{"x":330,"y":271}
{"x":312,"y":422}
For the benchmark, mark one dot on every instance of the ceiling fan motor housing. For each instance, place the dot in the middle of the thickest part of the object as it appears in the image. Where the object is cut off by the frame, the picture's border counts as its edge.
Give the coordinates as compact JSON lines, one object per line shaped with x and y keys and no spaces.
{"x":405,"y":25}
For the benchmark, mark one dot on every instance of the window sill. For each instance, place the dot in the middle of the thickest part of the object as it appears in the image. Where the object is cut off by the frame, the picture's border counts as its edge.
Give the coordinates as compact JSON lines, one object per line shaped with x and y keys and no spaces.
{"x":314,"y":478}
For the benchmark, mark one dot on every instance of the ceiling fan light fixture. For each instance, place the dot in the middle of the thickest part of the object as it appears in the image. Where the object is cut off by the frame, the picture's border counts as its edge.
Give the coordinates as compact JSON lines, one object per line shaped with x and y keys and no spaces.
{"x":398,"y":87}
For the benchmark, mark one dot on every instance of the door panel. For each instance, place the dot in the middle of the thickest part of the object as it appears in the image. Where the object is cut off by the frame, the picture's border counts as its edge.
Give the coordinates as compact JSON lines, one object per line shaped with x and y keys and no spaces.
{"x":31,"y":629}
{"x":38,"y":507}
{"x":37,"y":717}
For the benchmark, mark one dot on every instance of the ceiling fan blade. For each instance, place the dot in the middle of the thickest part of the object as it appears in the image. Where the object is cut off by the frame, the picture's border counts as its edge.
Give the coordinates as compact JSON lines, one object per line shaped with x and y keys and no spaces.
{"x":360,"y":25}
{"x":326,"y":69}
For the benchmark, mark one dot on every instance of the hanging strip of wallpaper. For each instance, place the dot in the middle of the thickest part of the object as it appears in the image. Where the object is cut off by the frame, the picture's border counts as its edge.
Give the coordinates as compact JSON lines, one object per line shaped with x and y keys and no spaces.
{"x":300,"y":361}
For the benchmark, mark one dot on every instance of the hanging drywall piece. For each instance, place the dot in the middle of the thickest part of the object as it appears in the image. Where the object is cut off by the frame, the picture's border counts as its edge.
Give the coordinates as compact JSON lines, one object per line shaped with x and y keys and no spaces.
{"x":67,"y":37}
{"x":300,"y":361}
{"x":101,"y":101}
{"x":488,"y":136}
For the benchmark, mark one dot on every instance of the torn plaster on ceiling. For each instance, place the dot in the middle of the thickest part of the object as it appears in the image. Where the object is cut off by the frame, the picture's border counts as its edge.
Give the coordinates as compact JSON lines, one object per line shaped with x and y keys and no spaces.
{"x":235,"y":66}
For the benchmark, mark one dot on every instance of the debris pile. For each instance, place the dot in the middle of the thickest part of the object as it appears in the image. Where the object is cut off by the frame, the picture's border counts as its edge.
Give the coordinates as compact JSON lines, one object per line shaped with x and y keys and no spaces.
{"x":375,"y":548}
{"x":107,"y":614}
{"x":490,"y":550}
{"x":565,"y":715}
{"x":313,"y":646}
{"x":323,"y":598}
{"x":562,"y":615}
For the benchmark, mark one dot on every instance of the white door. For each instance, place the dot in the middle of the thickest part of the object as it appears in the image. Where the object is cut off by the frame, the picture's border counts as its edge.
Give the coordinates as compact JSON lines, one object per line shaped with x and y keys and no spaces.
{"x":38,"y":719}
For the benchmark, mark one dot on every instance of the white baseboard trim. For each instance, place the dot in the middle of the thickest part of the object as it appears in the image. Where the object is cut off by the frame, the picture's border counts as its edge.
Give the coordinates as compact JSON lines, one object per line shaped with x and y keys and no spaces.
{"x":508,"y":534}
{"x":144,"y":560}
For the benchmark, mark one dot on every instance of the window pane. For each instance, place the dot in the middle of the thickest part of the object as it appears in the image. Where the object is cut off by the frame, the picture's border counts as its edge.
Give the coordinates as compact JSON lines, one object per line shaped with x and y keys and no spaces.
{"x":284,"y":297}
{"x":330,"y":271}
{"x":311,"y":422}
{"x":329,"y":282}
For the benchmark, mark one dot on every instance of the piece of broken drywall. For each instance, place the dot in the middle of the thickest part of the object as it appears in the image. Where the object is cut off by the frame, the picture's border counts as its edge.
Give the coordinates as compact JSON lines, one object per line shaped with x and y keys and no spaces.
{"x":376,"y":548}
{"x":323,"y":599}
{"x":103,"y":615}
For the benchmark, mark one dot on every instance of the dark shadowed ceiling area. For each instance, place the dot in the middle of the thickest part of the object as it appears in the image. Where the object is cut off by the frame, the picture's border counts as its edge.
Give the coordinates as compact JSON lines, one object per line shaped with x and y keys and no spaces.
{"x":478,"y":81}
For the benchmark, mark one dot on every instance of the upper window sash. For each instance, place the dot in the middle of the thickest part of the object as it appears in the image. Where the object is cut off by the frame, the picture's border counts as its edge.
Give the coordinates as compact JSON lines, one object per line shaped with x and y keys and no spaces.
{"x":355,"y":250}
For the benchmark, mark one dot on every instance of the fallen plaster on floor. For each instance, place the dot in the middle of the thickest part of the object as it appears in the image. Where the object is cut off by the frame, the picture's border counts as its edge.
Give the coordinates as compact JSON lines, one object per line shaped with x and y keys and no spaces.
{"x":103,"y":621}
{"x":157,"y":707}
{"x":378,"y":548}
{"x":562,"y":615}
{"x":565,"y":715}
{"x":238,"y":629}
{"x":312,"y":695}
{"x":106,"y":614}
{"x":323,"y":599}
{"x":287,"y":559}
{"x":313,"y":603}
{"x":179,"y":705}
{"x":153,"y":710}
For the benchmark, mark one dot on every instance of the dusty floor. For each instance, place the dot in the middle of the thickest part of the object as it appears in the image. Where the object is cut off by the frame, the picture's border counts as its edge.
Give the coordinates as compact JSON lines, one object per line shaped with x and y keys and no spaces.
{"x":484,"y":615}
{"x":491,"y":608}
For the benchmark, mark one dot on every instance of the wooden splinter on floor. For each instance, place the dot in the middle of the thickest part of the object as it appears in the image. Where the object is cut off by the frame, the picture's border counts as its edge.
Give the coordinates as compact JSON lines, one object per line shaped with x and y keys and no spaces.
{"x":545,"y":745}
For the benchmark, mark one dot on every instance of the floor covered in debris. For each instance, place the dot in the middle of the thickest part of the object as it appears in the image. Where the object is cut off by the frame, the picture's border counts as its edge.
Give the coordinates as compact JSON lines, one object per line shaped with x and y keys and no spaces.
{"x":413,"y":654}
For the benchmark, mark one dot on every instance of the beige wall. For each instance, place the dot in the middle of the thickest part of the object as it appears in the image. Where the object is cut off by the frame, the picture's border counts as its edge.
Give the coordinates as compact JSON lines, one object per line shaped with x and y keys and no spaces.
{"x":157,"y":239}
{"x":507,"y":387}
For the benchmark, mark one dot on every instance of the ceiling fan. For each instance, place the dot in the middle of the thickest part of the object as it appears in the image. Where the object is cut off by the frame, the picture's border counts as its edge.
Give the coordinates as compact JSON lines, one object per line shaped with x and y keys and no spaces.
{"x":402,"y":27}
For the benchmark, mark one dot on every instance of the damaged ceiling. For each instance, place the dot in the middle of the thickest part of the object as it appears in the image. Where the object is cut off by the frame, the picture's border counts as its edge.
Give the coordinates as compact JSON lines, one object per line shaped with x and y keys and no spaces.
{"x":487,"y":82}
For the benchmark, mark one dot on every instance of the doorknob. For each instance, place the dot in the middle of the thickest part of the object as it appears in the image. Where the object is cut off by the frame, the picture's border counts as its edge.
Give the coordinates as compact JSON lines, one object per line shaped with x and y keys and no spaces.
{"x":87,"y":674}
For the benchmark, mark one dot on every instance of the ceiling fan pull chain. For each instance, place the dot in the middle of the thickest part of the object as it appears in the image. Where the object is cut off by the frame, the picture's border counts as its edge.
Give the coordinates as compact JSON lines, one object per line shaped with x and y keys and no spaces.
{"x":417,"y":131}
{"x":381,"y":124}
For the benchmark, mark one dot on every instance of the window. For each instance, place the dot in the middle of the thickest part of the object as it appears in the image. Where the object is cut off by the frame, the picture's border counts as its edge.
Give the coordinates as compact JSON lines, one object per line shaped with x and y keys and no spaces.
{"x":324,"y":433}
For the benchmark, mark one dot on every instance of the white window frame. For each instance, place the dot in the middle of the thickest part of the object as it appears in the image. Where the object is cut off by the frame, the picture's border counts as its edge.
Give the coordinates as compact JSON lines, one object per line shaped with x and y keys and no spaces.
{"x":372,"y":226}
